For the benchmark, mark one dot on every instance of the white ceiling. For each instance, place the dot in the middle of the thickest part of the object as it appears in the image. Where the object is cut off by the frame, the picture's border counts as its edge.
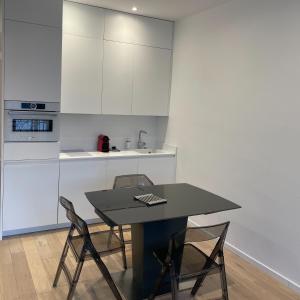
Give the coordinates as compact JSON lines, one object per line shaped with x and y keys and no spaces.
{"x":163,"y":9}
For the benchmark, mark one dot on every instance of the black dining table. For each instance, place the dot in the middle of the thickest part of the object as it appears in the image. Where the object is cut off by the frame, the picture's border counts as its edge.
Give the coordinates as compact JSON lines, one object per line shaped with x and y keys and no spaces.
{"x":152,"y":226}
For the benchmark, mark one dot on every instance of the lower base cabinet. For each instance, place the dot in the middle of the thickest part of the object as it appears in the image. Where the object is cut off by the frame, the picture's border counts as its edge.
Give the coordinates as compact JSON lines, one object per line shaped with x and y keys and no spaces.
{"x":76,"y":178}
{"x":30,"y":194}
{"x":120,"y":166}
{"x":161,"y":170}
{"x":31,"y":188}
{"x":80,"y":176}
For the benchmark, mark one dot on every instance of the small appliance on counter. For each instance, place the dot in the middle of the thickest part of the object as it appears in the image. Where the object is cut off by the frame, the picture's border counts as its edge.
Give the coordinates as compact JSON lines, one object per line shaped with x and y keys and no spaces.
{"x":103,"y":143}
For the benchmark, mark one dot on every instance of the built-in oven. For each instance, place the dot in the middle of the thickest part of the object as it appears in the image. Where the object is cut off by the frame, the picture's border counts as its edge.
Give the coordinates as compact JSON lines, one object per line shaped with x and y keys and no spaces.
{"x":31,"y":121}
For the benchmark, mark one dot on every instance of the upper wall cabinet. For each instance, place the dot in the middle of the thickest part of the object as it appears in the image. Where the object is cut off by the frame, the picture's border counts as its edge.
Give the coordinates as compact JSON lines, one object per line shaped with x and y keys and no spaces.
{"x":135,"y":29}
{"x":83,"y":20}
{"x":117,"y":78}
{"x":82,"y":54}
{"x":81,"y":75}
{"x":43,"y":12}
{"x":32,"y":58}
{"x":152,"y":76}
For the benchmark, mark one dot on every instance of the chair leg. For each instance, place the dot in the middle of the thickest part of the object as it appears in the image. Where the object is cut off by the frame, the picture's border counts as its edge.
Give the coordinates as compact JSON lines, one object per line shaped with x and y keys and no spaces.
{"x":75,"y":279}
{"x":123,"y":247}
{"x":223,"y":279}
{"x":158,"y":282}
{"x":174,"y":284}
{"x":198,"y":284}
{"x":60,"y":264}
{"x":111,"y":232}
{"x":103,"y":269}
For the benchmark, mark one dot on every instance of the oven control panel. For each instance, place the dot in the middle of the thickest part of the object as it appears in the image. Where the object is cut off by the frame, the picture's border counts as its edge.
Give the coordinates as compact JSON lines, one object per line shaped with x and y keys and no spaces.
{"x":33,"y":106}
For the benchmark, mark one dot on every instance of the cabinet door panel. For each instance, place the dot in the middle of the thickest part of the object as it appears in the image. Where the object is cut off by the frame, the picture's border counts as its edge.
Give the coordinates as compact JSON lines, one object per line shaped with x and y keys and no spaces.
{"x":30,"y":194}
{"x":135,"y":29}
{"x":81,"y":75}
{"x":84,"y":20}
{"x":152,"y":75}
{"x":76,"y":178}
{"x":116,"y":167}
{"x":42,"y":12}
{"x":32,"y":62}
{"x":161,"y":170}
{"x":117,"y":78}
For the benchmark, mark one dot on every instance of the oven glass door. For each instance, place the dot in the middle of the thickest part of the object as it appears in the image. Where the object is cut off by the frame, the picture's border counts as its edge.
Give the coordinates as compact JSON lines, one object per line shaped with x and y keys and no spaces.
{"x":31,"y":126}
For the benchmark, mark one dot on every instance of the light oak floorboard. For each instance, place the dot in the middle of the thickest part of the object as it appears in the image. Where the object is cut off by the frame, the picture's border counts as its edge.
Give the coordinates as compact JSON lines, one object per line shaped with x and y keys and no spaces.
{"x":28,"y":264}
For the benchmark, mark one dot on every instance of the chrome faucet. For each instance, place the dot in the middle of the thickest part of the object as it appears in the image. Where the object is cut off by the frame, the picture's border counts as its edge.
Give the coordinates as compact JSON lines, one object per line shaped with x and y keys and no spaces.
{"x":141,"y":144}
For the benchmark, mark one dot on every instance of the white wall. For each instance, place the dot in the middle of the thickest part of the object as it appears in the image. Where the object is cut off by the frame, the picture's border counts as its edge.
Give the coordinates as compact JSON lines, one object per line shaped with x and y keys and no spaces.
{"x":235,"y":116}
{"x":81,"y":131}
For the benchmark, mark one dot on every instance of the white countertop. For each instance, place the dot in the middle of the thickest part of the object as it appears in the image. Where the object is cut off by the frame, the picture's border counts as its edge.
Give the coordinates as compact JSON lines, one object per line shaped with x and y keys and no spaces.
{"x":120,"y":154}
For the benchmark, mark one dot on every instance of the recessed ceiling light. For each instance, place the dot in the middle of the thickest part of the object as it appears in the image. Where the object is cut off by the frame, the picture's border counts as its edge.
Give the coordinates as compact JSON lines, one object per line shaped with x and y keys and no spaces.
{"x":134,"y":8}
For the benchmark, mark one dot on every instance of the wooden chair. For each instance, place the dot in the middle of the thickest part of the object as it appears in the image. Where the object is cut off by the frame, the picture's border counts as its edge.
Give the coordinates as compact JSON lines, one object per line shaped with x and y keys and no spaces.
{"x":86,"y":246}
{"x":184,"y":261}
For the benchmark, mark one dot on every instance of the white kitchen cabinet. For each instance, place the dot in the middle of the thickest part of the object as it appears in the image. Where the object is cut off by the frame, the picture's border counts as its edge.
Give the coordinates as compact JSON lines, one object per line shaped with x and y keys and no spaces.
{"x":76,"y":178}
{"x":43,"y":12}
{"x":161,"y":170}
{"x":122,"y":166}
{"x":32,"y":58}
{"x":117,"y":78}
{"x":152,"y":78}
{"x":30,"y":194}
{"x":81,"y":75}
{"x":135,"y":29}
{"x":83,"y":20}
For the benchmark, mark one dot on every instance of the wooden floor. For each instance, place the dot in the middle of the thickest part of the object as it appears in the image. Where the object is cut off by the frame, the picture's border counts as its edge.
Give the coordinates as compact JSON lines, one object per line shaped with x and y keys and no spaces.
{"x":28,"y":264}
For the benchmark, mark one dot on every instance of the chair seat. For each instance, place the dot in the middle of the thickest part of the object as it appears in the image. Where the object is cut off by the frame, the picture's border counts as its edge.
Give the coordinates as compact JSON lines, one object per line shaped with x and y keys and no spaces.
{"x":193,"y":261}
{"x":103,"y":241}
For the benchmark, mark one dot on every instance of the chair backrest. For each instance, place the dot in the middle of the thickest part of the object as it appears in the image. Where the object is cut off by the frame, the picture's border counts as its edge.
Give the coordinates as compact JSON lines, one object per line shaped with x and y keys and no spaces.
{"x":132,"y":180}
{"x":200,"y":234}
{"x":79,"y":224}
{"x":65,"y":203}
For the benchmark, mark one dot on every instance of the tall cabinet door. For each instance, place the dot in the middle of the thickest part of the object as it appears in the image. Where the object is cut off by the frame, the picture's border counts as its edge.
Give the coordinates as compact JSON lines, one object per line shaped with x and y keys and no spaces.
{"x":32,"y":62}
{"x":82,"y":56}
{"x":30,"y":194}
{"x":117,"y":78}
{"x":152,"y":76}
{"x":81,"y":75}
{"x":76,"y":178}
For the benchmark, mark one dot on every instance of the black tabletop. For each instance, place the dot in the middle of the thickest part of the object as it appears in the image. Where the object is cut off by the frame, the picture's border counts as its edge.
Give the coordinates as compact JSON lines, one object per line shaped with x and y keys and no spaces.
{"x":118,"y":207}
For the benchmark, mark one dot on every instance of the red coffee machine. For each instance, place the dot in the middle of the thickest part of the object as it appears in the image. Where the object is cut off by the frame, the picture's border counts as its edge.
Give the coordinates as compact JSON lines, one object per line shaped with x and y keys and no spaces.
{"x":103,"y":143}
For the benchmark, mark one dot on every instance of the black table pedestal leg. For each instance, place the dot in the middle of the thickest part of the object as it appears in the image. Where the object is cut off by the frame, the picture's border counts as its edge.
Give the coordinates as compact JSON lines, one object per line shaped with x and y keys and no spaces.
{"x":145,"y":238}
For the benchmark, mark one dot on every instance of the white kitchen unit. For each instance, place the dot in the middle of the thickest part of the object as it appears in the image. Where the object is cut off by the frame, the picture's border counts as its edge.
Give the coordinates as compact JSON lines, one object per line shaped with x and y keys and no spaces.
{"x":152,"y":80}
{"x":30,"y":194}
{"x":32,"y":62}
{"x":133,"y":29}
{"x":82,"y":56}
{"x":161,"y":170}
{"x":115,"y":63}
{"x":117,"y":78}
{"x":81,"y":172}
{"x":81,"y":83}
{"x":43,"y":12}
{"x":120,"y":166}
{"x":76,"y":178}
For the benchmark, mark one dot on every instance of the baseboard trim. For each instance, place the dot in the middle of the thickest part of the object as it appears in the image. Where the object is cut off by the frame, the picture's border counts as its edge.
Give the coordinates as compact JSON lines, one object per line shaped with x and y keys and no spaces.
{"x":44,"y":228}
{"x":286,"y":281}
